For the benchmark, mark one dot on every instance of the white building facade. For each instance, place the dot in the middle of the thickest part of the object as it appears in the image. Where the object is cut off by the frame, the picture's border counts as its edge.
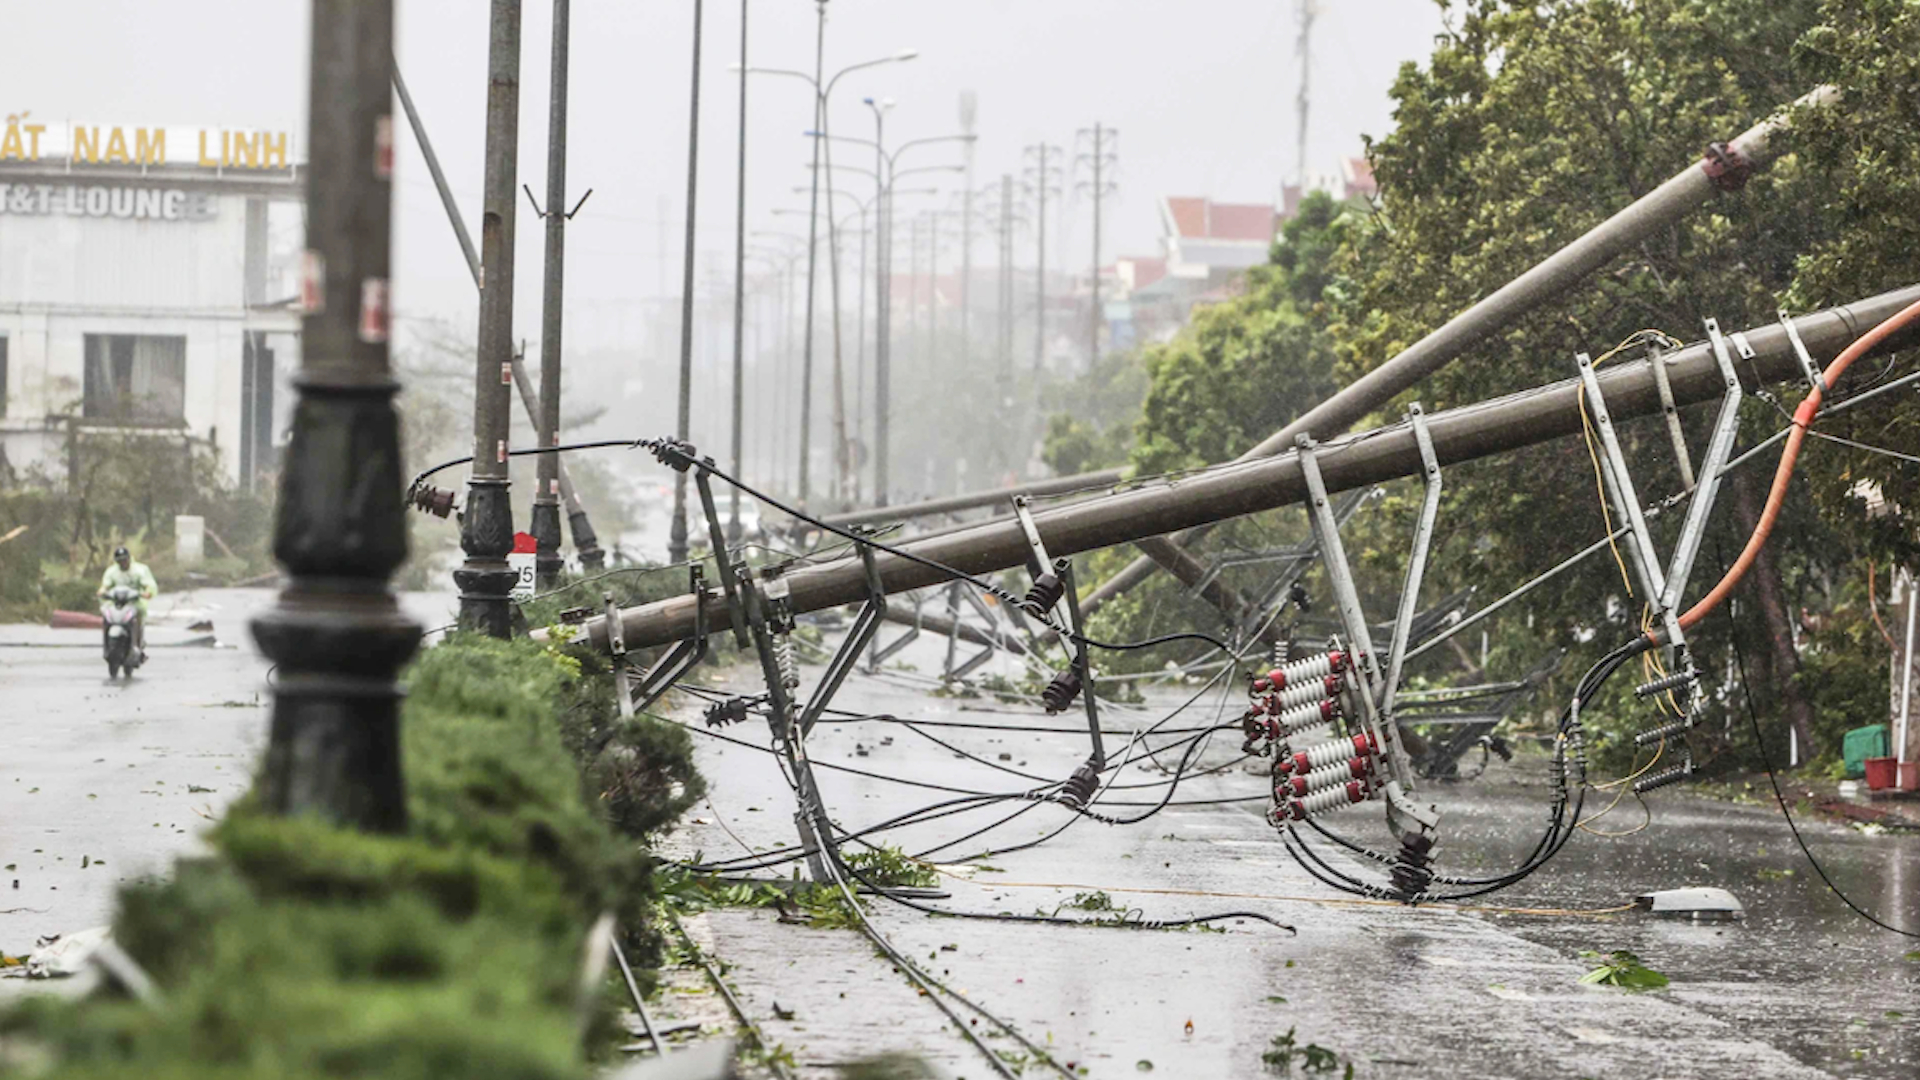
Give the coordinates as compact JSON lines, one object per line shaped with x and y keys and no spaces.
{"x":142,"y":292}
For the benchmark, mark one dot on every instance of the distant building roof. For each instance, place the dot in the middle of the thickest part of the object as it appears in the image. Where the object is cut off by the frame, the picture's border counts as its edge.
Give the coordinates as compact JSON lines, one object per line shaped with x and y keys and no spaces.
{"x":1140,"y":271}
{"x":1357,"y":174}
{"x":1200,"y":218}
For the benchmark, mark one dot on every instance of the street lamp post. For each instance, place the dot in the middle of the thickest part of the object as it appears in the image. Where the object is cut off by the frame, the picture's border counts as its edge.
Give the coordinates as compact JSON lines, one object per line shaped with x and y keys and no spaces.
{"x":336,"y":634}
{"x":823,"y":92}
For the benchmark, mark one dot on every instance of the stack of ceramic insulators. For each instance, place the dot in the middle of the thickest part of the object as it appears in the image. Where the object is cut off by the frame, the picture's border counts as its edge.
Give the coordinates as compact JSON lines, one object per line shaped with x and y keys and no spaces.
{"x":1297,"y":701}
{"x":1295,"y":705}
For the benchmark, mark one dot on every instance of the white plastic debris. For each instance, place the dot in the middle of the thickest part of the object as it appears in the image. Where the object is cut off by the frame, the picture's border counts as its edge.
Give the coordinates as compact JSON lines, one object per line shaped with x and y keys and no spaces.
{"x":1698,"y":902}
{"x":66,"y":954}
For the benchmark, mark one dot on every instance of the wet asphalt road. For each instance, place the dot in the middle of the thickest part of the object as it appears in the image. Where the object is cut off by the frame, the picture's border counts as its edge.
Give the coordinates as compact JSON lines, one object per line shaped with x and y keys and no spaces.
{"x":103,"y":782}
{"x":94,"y":772}
{"x":1801,"y":988}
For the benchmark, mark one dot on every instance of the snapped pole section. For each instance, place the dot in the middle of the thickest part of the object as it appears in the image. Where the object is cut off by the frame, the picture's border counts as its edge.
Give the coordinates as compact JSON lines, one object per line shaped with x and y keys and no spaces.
{"x":336,"y":633}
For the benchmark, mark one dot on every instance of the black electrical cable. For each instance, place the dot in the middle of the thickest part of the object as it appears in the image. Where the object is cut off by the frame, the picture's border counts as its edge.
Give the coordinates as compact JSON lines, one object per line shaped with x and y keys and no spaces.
{"x":1760,"y":744}
{"x":665,"y":447}
{"x":596,"y":445}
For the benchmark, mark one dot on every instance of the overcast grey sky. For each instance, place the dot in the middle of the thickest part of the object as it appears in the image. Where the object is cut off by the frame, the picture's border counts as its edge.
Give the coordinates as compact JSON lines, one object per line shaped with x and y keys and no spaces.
{"x":1200,"y":90}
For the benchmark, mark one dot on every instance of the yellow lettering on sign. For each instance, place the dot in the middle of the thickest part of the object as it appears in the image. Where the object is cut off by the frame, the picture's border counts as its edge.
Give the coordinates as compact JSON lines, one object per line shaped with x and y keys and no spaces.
{"x":150,"y":145}
{"x":33,"y":141}
{"x":205,"y":161}
{"x":117,"y":147}
{"x":246,"y":150}
{"x":86,"y":144}
{"x":273,"y":150}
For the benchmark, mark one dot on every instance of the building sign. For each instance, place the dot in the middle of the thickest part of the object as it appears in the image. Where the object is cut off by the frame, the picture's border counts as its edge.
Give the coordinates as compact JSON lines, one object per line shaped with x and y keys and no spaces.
{"x":27,"y":140}
{"x":92,"y":200}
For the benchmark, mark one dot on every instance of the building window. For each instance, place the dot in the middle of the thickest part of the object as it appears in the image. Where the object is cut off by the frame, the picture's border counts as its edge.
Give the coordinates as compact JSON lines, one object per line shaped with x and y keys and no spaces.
{"x":136,"y":377}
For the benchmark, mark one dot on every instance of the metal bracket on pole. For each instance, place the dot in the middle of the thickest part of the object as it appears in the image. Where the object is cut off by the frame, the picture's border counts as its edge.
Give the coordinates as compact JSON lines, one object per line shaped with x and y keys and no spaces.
{"x":1657,"y":361}
{"x":729,"y":583}
{"x":1080,"y":787}
{"x":1626,"y":500}
{"x":865,"y":625}
{"x":880,"y":654}
{"x":679,"y":660}
{"x":1416,"y":560}
{"x":953,"y":670}
{"x":1411,"y":823}
{"x":1725,"y":429}
{"x":617,"y":645}
{"x":1815,"y":378}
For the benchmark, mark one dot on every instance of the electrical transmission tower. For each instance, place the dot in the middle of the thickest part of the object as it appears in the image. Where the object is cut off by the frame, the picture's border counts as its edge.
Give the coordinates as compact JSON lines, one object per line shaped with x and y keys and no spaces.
{"x":1303,"y":55}
{"x":1043,"y":175}
{"x":1101,"y":158}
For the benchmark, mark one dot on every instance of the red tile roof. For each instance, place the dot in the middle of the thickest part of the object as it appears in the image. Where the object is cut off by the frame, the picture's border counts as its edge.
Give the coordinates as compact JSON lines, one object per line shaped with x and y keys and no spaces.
{"x":1204,"y":219}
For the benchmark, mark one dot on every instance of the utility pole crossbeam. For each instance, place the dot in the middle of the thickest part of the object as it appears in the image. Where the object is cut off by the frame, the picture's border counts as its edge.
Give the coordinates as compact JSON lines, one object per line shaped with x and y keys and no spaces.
{"x":486,"y":533}
{"x":336,"y":633}
{"x":545,"y":523}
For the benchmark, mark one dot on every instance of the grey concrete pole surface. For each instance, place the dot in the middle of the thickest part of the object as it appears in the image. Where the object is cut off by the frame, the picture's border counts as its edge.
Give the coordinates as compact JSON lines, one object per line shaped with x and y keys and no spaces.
{"x":336,"y":634}
{"x":739,"y":293}
{"x":1239,"y":488}
{"x":545,"y":524}
{"x":677,"y":529}
{"x":486,"y":532}
{"x":585,"y":542}
{"x":813,"y":254}
{"x":842,"y":448}
{"x":883,"y":314}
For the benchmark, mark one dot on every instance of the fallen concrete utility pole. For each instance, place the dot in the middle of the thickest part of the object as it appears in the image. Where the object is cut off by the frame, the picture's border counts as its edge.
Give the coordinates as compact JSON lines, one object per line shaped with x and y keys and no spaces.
{"x":585,"y":542}
{"x":1725,"y":167}
{"x":1246,"y":487}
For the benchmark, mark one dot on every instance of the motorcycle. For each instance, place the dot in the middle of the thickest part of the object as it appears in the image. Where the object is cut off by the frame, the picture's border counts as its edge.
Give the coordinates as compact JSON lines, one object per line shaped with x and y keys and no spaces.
{"x":117,"y":615}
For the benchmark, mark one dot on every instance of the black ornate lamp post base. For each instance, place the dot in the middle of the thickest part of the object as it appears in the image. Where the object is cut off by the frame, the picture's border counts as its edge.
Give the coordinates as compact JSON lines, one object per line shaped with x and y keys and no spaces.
{"x":334,"y":747}
{"x":485,"y":581}
{"x":545,"y":527}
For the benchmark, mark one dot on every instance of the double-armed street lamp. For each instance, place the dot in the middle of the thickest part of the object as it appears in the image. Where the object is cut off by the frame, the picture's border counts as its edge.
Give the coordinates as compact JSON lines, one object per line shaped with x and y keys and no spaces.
{"x":886,"y":173}
{"x":822,"y":94}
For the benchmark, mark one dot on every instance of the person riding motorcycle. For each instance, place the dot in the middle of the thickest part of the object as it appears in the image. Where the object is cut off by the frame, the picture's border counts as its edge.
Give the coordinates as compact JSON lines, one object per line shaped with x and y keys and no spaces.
{"x":124,"y":572}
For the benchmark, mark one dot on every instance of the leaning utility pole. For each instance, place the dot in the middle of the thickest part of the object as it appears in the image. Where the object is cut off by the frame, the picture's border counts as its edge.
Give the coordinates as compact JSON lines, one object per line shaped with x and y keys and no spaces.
{"x":585,"y":543}
{"x":545,"y":525}
{"x":1470,"y":432}
{"x":336,"y":634}
{"x":1303,"y":55}
{"x":677,"y":529}
{"x":486,"y":531}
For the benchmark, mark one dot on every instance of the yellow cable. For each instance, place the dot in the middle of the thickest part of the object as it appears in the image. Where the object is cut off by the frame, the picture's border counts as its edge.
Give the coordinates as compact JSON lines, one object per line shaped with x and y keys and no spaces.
{"x":1335,"y":900}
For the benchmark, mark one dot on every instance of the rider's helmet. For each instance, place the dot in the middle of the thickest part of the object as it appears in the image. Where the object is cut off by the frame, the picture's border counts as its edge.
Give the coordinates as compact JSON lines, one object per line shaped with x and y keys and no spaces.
{"x":120,"y":556}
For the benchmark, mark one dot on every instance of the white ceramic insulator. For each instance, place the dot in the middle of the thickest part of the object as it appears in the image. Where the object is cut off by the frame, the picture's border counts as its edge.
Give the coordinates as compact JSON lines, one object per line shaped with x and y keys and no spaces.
{"x":1306,"y":715}
{"x":1303,"y":692}
{"x":1326,"y":753}
{"x":1322,"y":802}
{"x":1334,"y":775}
{"x":1312,"y":667}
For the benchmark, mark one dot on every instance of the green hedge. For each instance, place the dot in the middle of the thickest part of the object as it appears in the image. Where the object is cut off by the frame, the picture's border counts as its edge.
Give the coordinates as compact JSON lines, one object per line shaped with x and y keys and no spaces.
{"x":305,"y":950}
